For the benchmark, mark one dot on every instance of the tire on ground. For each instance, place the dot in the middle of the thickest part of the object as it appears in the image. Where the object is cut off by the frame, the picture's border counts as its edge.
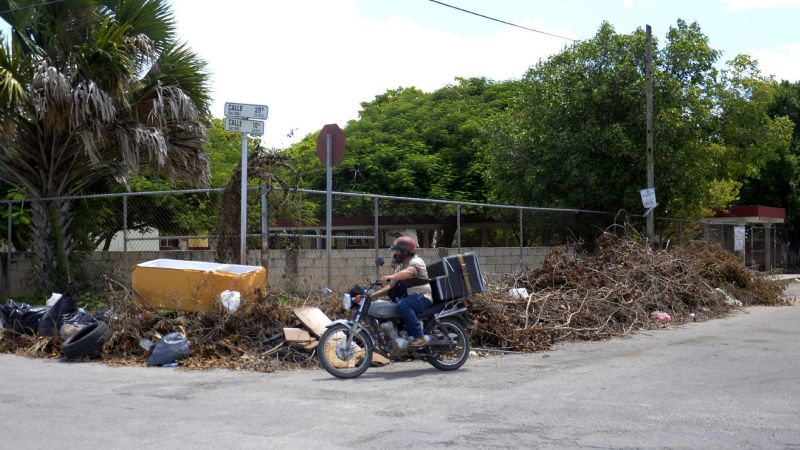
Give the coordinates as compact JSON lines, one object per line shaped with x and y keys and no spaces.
{"x":87,"y":342}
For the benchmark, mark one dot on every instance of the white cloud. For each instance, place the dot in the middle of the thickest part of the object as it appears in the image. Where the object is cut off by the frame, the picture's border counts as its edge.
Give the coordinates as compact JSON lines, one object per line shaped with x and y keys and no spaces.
{"x":783,"y":62}
{"x":627,"y":3}
{"x":744,"y":5}
{"x":314,"y":62}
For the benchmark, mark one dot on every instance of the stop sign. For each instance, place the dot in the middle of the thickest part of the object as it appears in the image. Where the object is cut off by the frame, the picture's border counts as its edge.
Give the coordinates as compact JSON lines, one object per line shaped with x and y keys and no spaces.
{"x":337,"y":143}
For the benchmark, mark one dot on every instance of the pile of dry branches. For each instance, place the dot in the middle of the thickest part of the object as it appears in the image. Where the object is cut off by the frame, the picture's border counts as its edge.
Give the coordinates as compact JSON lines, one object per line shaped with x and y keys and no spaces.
{"x":612,"y":291}
{"x":577,"y":294}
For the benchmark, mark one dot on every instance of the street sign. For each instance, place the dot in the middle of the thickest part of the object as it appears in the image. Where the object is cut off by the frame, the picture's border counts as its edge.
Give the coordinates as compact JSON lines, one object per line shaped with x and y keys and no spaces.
{"x":254,"y":127}
{"x":337,"y":143}
{"x":738,"y":238}
{"x":246,"y":111}
{"x":648,"y":198}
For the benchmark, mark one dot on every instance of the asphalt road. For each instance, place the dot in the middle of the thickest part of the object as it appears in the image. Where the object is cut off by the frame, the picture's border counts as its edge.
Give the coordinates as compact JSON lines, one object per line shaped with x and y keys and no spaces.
{"x":728,"y":383}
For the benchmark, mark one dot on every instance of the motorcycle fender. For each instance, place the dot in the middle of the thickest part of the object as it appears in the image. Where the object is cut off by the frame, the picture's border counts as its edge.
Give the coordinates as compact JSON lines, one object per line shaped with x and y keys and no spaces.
{"x":349,"y":323}
{"x":451,"y":312}
{"x":459,"y":314}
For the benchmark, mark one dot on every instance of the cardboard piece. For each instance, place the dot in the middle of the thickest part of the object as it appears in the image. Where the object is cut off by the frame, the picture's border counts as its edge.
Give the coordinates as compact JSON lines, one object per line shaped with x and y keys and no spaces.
{"x":379,"y":360}
{"x":307,"y":346}
{"x":313,"y":318}
{"x":193,"y":286}
{"x":296,"y":335}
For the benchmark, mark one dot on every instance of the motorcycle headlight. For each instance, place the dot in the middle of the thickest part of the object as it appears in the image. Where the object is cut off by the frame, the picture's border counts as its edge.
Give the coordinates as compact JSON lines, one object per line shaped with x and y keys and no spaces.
{"x":346,"y":302}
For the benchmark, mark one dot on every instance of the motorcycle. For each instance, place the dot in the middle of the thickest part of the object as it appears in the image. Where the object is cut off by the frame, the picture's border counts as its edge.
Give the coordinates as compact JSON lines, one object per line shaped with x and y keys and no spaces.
{"x":346,"y":347}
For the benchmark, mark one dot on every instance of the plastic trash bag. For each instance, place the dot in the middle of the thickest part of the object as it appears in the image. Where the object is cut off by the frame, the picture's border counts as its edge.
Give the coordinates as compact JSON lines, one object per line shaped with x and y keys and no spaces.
{"x":169,"y":349}
{"x":230,"y":300}
{"x":518,"y":293}
{"x":660,"y":316}
{"x":50,"y":325}
{"x":64,"y":311}
{"x":22,"y":317}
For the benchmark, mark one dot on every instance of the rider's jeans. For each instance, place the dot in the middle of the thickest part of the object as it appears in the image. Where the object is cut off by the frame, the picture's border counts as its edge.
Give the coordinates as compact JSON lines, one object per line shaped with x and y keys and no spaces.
{"x":409,"y":307}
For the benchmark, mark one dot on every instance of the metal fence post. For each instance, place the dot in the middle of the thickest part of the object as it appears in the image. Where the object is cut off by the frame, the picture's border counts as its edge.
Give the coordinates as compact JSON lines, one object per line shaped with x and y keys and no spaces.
{"x":264,"y":226}
{"x":8,"y":252}
{"x":458,"y":227}
{"x":375,"y":232}
{"x":125,"y":231}
{"x":521,"y":239}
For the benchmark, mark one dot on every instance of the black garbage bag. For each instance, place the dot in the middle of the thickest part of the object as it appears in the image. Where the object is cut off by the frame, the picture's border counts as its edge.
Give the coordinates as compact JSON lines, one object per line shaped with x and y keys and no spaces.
{"x":170,"y":348}
{"x":64,"y":311}
{"x":22,"y":317}
{"x":50,"y":325}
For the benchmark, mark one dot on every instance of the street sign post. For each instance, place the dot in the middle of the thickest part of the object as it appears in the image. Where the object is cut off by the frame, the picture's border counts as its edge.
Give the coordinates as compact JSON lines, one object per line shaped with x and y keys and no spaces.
{"x":237,"y":117}
{"x":246,"y":111}
{"x":330,"y":150}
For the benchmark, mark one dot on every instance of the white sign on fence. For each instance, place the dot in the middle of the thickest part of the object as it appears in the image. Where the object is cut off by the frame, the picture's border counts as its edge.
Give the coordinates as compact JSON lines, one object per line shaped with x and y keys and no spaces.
{"x":648,"y":198}
{"x":738,"y":238}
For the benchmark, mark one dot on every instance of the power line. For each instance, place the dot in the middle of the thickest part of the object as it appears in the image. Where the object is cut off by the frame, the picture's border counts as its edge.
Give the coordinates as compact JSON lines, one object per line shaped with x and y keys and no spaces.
{"x":503,"y":21}
{"x":20,"y":8}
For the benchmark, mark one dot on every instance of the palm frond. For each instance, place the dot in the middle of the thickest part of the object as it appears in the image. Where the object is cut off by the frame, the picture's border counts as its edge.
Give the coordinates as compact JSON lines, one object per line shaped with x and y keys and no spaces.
{"x":178,"y":66}
{"x":150,"y":18}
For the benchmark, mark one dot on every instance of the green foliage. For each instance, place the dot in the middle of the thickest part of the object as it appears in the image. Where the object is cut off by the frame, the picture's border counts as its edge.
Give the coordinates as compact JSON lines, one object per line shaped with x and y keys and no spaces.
{"x":411,"y":143}
{"x":224,"y":151}
{"x":777,"y":184}
{"x":576,"y":135}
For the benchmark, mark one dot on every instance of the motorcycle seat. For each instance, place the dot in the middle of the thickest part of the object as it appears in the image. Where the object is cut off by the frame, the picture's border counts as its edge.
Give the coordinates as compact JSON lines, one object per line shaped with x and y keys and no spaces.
{"x":433,"y":309}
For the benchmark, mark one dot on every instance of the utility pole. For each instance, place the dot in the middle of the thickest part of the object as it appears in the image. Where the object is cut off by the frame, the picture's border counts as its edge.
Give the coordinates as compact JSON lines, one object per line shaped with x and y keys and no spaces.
{"x":649,"y":108}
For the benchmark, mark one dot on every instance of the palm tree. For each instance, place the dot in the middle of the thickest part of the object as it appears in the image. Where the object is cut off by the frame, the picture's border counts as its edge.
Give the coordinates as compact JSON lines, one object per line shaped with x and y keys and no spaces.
{"x":88,"y":89}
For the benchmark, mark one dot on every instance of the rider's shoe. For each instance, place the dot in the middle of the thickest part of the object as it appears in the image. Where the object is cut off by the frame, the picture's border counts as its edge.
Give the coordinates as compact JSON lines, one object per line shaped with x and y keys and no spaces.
{"x":418,"y":342}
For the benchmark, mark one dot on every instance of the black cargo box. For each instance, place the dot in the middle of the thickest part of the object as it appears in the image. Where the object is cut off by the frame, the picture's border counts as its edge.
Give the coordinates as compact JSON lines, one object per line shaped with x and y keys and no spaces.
{"x":456,"y":276}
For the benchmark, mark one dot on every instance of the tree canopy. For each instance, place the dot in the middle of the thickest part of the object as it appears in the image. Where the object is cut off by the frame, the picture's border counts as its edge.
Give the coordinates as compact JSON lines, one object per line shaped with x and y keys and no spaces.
{"x":412,"y":143}
{"x":576,"y":135}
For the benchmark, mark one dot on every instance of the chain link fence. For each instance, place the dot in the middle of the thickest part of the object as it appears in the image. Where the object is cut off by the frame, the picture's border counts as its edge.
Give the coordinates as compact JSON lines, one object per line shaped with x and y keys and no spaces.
{"x":111,"y":233}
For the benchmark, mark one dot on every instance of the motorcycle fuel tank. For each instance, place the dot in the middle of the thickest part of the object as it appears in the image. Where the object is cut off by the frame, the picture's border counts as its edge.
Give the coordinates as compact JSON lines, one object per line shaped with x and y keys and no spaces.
{"x":383,"y":310}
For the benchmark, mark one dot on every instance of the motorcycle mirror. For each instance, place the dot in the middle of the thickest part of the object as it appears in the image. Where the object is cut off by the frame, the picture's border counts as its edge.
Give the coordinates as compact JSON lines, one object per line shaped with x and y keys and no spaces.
{"x":379,"y":261}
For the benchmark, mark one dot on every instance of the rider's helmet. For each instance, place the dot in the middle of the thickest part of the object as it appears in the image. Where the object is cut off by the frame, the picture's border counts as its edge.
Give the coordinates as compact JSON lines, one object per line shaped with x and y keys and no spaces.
{"x":402,"y":248}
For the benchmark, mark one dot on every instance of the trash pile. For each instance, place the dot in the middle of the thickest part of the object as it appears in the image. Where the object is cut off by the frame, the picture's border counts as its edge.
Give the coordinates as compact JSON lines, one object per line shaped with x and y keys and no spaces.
{"x":621,"y":286}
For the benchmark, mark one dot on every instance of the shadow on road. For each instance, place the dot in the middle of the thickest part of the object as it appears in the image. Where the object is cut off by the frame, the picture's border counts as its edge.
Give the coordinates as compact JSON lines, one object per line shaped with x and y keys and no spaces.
{"x":378,"y":374}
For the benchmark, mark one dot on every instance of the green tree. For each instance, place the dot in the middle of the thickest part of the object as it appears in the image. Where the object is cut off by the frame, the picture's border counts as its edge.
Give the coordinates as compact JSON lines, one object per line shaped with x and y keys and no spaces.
{"x":576,"y":136}
{"x":777,"y":184}
{"x":92,"y":88}
{"x":412,"y":143}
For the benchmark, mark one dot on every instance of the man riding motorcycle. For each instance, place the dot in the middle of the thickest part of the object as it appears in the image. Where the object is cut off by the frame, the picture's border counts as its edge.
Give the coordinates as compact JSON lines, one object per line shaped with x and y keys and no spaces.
{"x":410,"y":274}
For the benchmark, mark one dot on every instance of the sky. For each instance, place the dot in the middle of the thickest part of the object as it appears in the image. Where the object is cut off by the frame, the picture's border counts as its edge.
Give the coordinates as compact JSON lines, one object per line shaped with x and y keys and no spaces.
{"x":313,"y":62}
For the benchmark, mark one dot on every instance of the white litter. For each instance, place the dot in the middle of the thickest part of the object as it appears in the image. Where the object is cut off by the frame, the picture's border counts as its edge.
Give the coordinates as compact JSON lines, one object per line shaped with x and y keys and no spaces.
{"x":53,"y":299}
{"x":230,"y":300}
{"x":518,"y":294}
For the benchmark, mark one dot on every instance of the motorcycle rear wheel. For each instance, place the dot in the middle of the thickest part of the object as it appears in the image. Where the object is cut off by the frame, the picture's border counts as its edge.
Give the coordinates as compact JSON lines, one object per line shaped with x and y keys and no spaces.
{"x":340,"y":361}
{"x":458,"y":355}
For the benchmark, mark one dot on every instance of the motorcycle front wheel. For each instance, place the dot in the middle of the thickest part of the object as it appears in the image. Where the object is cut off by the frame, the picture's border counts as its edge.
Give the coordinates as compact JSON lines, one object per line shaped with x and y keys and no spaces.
{"x":340,"y":360}
{"x":456,"y":355}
